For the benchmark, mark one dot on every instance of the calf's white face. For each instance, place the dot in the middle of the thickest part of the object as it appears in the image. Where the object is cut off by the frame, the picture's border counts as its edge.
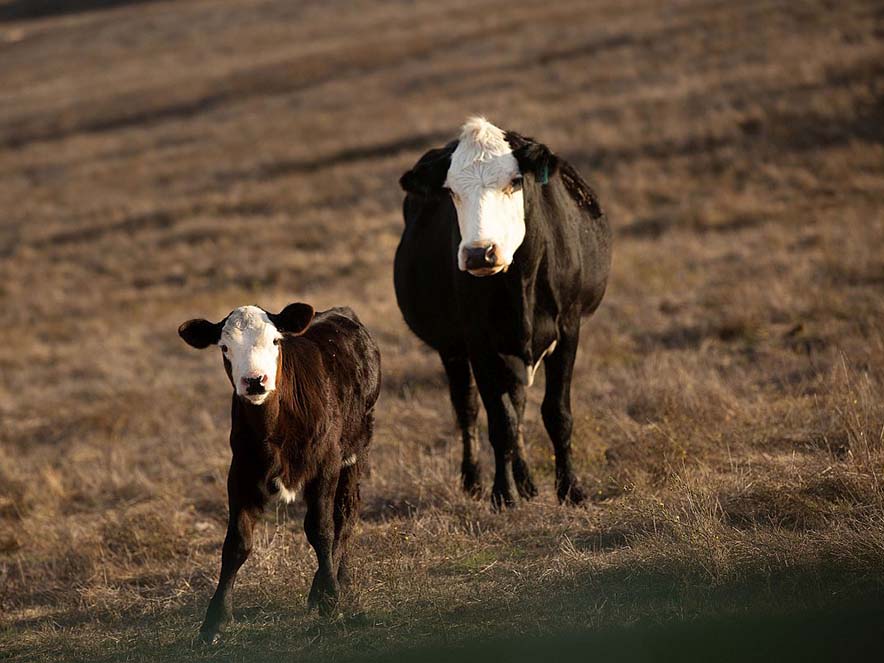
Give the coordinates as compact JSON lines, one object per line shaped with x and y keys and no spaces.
{"x":486,"y":188}
{"x":250,"y":342}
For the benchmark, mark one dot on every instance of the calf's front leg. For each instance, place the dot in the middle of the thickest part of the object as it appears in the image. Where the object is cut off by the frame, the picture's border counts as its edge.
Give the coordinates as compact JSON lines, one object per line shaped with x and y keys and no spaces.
{"x":237,"y":546}
{"x":319,"y":525}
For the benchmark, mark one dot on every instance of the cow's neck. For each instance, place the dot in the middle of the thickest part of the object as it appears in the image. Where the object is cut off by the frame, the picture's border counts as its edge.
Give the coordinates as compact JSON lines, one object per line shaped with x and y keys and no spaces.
{"x":531,"y":284}
{"x":520,"y":300}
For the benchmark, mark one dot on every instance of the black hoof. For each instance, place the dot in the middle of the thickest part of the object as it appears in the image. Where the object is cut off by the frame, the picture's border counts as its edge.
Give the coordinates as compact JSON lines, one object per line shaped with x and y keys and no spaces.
{"x":471,"y":480}
{"x":527,"y":489}
{"x":323,"y":595}
{"x":327,"y":605}
{"x":210,"y":635}
{"x":524,"y":483}
{"x":217,"y":618}
{"x":572,"y":493}
{"x":344,"y":577}
{"x":502,"y":498}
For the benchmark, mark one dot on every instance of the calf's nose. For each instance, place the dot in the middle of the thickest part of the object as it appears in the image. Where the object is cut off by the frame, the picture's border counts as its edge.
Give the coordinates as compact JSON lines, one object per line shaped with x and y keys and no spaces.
{"x":480,"y":257}
{"x":255,"y":384}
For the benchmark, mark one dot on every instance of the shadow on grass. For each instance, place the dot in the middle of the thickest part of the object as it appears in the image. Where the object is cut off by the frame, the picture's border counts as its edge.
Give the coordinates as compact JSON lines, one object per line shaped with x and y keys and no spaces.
{"x":812,"y":613}
{"x":17,"y":10}
{"x":847,"y":634}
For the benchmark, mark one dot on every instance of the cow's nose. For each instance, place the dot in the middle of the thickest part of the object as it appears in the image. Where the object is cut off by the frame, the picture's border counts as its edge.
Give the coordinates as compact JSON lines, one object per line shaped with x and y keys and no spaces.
{"x":481,"y":257}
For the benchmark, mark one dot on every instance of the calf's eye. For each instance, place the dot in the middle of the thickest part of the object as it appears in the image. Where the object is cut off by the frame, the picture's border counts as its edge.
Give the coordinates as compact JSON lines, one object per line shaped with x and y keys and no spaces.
{"x":224,"y":348}
{"x":275,"y":341}
{"x":515,"y":185}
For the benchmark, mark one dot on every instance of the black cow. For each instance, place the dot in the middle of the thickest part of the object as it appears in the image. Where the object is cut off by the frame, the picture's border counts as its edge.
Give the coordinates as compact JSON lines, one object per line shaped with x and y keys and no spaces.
{"x":505,"y":247}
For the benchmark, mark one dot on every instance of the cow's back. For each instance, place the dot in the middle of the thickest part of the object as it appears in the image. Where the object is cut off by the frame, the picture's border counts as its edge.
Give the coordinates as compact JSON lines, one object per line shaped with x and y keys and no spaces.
{"x":580,"y":202}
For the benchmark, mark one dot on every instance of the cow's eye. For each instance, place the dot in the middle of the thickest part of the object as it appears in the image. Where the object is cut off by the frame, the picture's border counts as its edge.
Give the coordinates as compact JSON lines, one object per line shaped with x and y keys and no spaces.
{"x":224,"y":349}
{"x":275,"y":341}
{"x":514,"y":185}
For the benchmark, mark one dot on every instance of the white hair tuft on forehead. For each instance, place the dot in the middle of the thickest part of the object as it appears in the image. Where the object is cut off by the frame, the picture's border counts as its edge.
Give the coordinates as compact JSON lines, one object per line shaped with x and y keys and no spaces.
{"x":246,"y":317}
{"x":482,"y":139}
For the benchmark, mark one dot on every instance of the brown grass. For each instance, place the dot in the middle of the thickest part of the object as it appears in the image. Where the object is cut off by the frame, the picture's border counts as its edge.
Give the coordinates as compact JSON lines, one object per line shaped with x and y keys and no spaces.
{"x":160,"y":161}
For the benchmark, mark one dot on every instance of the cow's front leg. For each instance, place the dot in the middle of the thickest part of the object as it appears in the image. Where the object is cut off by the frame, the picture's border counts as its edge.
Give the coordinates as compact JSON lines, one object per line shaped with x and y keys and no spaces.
{"x":504,"y":398}
{"x":462,"y":389}
{"x":319,"y":525}
{"x":244,"y":511}
{"x":521,"y":472}
{"x":556,"y":411}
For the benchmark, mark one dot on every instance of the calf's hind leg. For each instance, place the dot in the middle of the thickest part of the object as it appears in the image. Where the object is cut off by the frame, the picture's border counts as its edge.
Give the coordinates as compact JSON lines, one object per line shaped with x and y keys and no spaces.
{"x":346,"y":514}
{"x":319,"y":525}
{"x":465,"y":399}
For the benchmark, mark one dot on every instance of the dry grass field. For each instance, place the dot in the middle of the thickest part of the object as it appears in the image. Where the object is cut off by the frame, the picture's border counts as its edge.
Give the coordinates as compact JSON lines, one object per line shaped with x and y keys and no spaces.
{"x":166,"y":160}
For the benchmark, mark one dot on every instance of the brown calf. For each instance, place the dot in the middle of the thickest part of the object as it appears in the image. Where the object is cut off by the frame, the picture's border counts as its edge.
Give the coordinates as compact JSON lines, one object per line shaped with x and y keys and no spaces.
{"x":302,"y":416}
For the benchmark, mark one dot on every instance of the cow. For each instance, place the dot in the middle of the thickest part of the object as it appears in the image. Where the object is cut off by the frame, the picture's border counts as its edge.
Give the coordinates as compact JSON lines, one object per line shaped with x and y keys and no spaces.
{"x":304,"y":390}
{"x":505,"y":248}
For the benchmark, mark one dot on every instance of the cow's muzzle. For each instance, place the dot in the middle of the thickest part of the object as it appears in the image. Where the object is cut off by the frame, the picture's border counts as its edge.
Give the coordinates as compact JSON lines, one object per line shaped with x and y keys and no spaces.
{"x":481,"y":257}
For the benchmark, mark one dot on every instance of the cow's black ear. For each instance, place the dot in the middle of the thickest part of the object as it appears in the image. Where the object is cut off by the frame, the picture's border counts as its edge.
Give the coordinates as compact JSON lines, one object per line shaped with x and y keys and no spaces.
{"x":427,"y":177}
{"x":537,"y":159}
{"x":199,"y":333}
{"x":294,"y":318}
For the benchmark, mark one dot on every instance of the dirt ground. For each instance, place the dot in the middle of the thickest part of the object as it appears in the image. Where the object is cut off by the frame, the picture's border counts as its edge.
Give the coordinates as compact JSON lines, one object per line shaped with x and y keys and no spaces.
{"x":167,"y":160}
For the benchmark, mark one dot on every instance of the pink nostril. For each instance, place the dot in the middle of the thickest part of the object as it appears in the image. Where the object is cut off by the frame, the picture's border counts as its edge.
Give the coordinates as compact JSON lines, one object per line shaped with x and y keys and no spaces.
{"x":263,"y":379}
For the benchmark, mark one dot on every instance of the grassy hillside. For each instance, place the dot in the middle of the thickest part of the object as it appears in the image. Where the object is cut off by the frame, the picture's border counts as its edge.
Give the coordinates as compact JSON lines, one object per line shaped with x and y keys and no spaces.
{"x":166,"y":160}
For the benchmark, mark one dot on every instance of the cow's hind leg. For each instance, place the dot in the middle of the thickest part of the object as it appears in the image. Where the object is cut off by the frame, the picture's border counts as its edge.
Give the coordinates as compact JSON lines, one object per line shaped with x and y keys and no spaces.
{"x":465,"y":399}
{"x":556,"y":411}
{"x":346,"y":514}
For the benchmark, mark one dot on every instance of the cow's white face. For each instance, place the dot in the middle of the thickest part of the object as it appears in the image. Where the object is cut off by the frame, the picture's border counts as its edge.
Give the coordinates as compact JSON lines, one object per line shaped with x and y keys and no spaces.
{"x":486,"y":188}
{"x":250,"y":343}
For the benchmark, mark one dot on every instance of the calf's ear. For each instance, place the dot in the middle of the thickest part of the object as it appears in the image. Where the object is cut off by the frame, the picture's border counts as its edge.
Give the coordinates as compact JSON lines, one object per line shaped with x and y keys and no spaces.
{"x":294,"y":318}
{"x":199,"y":333}
{"x":537,"y":159}
{"x":427,"y":177}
